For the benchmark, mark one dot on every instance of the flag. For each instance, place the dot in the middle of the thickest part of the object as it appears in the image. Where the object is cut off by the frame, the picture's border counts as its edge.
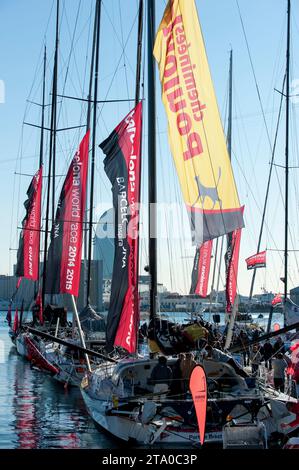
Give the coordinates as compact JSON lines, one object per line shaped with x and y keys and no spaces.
{"x":201,"y":269}
{"x":28,"y":251}
{"x":122,"y":166}
{"x":64,"y":256}
{"x":199,"y":391}
{"x":231,"y":267}
{"x":256,"y":261}
{"x":39,"y":306}
{"x":195,"y":130}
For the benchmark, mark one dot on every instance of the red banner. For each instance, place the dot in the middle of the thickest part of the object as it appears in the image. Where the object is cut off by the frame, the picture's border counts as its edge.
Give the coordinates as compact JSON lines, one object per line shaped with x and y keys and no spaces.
{"x":256,"y":261}
{"x":201,"y":269}
{"x":232,"y":265}
{"x":122,"y":166}
{"x":64,"y":258}
{"x":28,"y":252}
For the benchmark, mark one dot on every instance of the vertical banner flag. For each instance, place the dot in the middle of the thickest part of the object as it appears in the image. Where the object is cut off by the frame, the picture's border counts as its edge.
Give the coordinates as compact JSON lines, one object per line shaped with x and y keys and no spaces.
{"x":122,"y":166}
{"x":28,"y":251}
{"x":64,"y":256}
{"x":231,"y":266}
{"x":201,"y":269}
{"x":199,"y":391}
{"x":195,"y":131}
{"x":256,"y":261}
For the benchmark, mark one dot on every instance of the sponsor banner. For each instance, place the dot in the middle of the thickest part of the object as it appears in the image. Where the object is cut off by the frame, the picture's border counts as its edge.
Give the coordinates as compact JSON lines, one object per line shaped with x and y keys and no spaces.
{"x":201,"y":269}
{"x":64,"y":256}
{"x":256,"y":261}
{"x":28,"y":252}
{"x":232,"y":265}
{"x":195,"y":130}
{"x":122,"y":166}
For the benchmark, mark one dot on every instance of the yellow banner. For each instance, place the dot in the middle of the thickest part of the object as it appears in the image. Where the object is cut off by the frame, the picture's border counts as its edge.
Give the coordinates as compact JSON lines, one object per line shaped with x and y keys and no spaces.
{"x":195,"y":131}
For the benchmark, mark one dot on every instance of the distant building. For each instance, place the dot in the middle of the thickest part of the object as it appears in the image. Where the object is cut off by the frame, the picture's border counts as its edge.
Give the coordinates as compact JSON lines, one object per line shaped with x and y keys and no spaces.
{"x":104,"y":243}
{"x":27,"y":288}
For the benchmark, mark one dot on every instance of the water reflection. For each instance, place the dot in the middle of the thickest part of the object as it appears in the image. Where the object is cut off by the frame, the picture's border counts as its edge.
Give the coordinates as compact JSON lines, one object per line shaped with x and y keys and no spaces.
{"x":36,"y":412}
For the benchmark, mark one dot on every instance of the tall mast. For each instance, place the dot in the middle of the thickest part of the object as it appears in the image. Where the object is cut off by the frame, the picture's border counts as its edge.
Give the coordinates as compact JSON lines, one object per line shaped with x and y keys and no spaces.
{"x":51,"y":152}
{"x":152,"y":190}
{"x":287,"y":155}
{"x":139,"y":51}
{"x":229,"y":148}
{"x":94,"y":128}
{"x":54,"y":107}
{"x":88,"y":119}
{"x":230,"y":106}
{"x":41,"y":147}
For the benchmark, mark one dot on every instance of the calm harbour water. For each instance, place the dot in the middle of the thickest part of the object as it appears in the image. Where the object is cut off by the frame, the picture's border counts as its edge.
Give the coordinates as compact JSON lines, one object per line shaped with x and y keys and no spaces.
{"x":37,"y":412}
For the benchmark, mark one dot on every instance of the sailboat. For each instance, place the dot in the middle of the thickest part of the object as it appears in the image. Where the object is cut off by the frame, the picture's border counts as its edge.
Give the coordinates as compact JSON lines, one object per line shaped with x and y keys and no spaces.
{"x":62,"y":262}
{"x":121,"y":397}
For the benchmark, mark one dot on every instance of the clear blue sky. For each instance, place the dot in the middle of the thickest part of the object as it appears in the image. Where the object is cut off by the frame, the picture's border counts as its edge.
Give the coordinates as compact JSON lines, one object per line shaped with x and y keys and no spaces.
{"x":23,"y":27}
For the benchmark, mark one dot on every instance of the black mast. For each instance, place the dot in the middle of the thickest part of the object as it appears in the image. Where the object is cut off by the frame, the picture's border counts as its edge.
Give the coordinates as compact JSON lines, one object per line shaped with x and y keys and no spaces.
{"x":51,"y":152}
{"x":94,"y":127}
{"x":88,"y":119}
{"x":41,"y":148}
{"x":152,"y":190}
{"x":139,"y":51}
{"x":287,"y":156}
{"x":230,"y":106}
{"x":54,"y":107}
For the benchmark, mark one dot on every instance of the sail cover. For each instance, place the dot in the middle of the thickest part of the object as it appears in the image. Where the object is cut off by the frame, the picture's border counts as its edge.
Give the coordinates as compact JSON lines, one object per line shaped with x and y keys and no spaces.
{"x":122,"y":166}
{"x":256,"y":261}
{"x":28,"y":252}
{"x":64,"y":256}
{"x":194,"y":127}
{"x":231,"y":266}
{"x":199,"y":391}
{"x":201,"y":269}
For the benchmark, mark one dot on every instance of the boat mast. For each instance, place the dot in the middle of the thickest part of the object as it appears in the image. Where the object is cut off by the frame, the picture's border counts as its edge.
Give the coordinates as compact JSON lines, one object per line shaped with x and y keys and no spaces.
{"x":287,"y":155}
{"x":229,"y":148}
{"x":52,"y":150}
{"x":139,"y":51}
{"x":88,"y":119}
{"x":94,"y":128}
{"x":152,"y":189}
{"x":41,"y":147}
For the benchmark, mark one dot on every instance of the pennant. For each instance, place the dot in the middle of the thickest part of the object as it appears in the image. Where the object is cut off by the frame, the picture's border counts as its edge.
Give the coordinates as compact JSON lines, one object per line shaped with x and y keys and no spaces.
{"x":201,"y":269}
{"x":195,"y":130}
{"x":28,"y":251}
{"x":256,"y":261}
{"x":231,"y":266}
{"x":199,"y":391}
{"x":122,"y":166}
{"x":64,"y":256}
